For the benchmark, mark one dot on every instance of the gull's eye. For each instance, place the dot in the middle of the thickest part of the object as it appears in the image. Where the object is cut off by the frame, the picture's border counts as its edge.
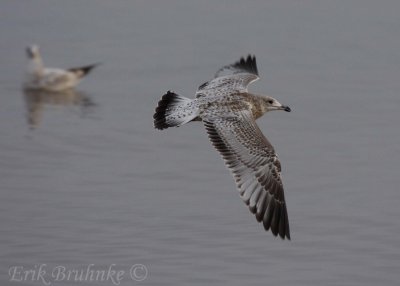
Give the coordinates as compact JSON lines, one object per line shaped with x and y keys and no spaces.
{"x":271,"y":101}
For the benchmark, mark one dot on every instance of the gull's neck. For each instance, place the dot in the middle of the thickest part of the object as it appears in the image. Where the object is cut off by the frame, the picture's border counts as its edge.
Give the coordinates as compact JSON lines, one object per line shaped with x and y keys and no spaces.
{"x":35,"y":66}
{"x":258,"y":107}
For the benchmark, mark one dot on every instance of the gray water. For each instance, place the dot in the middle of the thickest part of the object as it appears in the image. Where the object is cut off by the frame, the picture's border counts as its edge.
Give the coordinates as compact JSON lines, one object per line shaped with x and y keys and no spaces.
{"x":85,"y":179}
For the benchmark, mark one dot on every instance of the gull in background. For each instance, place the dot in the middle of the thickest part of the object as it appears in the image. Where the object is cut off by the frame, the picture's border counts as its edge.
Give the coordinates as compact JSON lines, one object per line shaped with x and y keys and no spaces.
{"x":51,"y":79}
{"x":229,"y":112}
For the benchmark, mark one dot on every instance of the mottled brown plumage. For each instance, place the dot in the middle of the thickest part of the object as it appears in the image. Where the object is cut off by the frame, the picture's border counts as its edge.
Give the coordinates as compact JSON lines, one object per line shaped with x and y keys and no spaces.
{"x":228,"y":112}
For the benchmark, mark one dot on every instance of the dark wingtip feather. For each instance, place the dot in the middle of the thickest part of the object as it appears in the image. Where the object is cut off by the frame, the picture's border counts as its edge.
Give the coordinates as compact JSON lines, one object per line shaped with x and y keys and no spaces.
{"x":275,"y":219}
{"x":286,"y":218}
{"x":248,"y":64}
{"x":282,"y":226}
{"x":84,"y":70}
{"x":267,"y":220}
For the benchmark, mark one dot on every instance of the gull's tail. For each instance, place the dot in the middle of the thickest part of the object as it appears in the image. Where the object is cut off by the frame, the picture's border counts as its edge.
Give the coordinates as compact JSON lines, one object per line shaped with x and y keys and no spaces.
{"x":83,"y":71}
{"x":173,"y":111}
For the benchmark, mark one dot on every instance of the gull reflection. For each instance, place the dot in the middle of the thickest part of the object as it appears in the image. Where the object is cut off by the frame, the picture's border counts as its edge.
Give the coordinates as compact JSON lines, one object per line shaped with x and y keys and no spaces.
{"x":37,"y":100}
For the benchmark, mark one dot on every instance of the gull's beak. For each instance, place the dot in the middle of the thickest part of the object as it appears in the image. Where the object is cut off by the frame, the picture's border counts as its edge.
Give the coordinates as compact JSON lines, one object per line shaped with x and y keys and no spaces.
{"x":286,"y":108}
{"x":29,"y":52}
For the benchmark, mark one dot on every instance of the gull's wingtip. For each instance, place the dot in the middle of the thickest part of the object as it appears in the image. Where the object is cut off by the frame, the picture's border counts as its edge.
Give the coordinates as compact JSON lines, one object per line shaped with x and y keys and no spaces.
{"x":84,"y":70}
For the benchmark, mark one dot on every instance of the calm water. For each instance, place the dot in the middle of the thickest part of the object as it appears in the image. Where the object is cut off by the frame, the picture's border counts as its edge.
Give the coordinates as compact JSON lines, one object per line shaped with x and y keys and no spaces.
{"x":85,"y":179}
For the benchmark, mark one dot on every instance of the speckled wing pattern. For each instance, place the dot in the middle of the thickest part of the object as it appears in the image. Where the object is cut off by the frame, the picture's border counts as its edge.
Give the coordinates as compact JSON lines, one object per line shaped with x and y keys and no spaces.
{"x":254,"y":166}
{"x":231,"y":79}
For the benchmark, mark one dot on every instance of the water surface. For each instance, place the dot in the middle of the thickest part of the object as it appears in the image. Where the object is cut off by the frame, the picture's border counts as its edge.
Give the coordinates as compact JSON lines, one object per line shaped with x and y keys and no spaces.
{"x":96,"y":184}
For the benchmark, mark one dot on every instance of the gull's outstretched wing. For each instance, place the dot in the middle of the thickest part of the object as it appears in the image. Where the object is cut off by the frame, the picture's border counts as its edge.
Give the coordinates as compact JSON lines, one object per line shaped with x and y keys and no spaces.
{"x":254,"y":165}
{"x":231,"y":79}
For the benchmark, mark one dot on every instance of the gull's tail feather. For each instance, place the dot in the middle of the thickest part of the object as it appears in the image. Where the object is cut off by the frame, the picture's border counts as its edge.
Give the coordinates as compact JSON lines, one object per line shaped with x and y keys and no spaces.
{"x":173,"y":111}
{"x":83,"y":71}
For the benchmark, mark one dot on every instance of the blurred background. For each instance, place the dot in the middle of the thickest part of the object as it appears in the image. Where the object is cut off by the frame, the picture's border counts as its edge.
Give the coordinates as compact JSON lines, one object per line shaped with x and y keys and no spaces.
{"x":85,"y":178}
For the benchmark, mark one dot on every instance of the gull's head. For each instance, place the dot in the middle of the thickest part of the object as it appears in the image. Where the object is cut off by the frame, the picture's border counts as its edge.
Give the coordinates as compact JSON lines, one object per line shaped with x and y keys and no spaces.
{"x":271,"y":103}
{"x":32,"y":52}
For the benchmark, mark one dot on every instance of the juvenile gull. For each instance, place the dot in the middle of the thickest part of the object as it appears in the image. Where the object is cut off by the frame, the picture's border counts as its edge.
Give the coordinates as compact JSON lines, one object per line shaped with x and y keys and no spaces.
{"x":229,"y":112}
{"x":51,"y":79}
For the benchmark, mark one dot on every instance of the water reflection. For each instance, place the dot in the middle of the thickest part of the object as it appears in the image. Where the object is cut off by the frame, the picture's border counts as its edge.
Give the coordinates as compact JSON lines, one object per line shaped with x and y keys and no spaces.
{"x":37,"y":100}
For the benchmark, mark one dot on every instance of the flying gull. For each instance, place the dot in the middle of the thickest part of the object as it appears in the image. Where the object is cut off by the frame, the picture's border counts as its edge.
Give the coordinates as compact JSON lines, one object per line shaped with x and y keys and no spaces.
{"x":229,"y":112}
{"x":51,"y":79}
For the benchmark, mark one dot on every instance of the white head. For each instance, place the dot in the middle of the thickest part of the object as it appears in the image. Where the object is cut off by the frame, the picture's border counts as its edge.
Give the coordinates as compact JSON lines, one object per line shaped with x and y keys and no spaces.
{"x":270,"y":103}
{"x":33,"y":52}
{"x":35,"y":63}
